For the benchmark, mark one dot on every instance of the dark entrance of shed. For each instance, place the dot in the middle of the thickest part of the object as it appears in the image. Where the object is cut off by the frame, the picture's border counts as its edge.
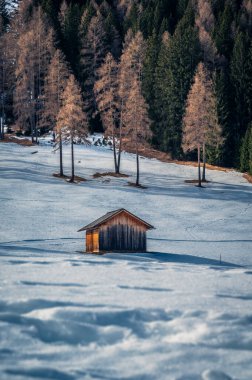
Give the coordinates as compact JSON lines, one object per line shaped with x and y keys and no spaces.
{"x":117,"y":231}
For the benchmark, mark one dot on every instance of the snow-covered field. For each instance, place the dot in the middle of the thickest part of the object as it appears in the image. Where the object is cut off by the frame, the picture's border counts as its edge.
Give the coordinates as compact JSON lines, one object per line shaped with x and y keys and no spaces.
{"x":175,"y":313}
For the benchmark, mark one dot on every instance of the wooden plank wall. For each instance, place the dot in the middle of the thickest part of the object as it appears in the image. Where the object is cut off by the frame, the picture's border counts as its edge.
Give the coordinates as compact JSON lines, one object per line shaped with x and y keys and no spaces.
{"x":89,"y":241}
{"x":123,"y":233}
{"x":122,"y":238}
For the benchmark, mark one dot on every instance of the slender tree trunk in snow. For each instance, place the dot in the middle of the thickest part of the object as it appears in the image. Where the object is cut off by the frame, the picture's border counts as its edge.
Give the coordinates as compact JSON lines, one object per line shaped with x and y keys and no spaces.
{"x":138,"y":171}
{"x":137,"y":162}
{"x":1,"y":129}
{"x":115,"y":158}
{"x":61,"y":155}
{"x":120,"y":141}
{"x":32,"y":127}
{"x":72,"y":154}
{"x":119,"y":156}
{"x":204,"y":164}
{"x":199,"y":170}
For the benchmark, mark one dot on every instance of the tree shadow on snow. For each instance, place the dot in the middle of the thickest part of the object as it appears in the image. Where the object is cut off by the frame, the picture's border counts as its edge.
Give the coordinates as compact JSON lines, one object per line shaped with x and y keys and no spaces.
{"x":190,"y":259}
{"x":176,"y":258}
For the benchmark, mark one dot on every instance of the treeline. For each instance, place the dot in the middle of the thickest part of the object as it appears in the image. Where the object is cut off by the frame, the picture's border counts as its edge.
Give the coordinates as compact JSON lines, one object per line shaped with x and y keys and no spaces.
{"x":127,"y":56}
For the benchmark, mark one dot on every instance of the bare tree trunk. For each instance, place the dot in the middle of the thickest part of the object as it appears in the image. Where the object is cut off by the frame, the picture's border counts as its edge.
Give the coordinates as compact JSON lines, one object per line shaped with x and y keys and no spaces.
{"x":32,"y":126}
{"x":204,"y":164}
{"x":72,"y":154}
{"x":36,"y":129}
{"x":120,"y":140}
{"x":137,"y":162}
{"x":199,"y":169}
{"x":119,"y":155}
{"x":61,"y":155}
{"x":2,"y":103}
{"x":1,"y":129}
{"x":115,"y":158}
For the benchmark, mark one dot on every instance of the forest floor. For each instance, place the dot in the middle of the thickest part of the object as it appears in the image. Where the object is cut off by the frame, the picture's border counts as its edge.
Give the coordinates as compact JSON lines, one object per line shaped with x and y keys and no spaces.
{"x":183,"y":311}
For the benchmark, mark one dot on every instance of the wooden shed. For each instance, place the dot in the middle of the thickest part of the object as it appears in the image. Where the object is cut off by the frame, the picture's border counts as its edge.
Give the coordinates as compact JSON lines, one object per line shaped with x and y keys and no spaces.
{"x":117,"y":231}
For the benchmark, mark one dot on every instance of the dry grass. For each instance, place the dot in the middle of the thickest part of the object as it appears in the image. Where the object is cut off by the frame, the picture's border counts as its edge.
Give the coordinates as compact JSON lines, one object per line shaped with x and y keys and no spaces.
{"x":77,"y":179}
{"x":110,"y":174}
{"x":148,"y":152}
{"x":133,"y":184}
{"x":248,"y":177}
{"x":13,"y":139}
{"x":195,"y":181}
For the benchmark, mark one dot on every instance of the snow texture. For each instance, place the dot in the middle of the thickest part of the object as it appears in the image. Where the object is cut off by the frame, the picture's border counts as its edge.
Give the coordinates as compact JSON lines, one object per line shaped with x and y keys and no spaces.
{"x":174,"y":313}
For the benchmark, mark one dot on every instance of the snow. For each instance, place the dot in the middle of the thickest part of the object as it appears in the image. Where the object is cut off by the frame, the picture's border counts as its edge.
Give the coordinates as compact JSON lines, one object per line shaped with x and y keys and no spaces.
{"x":174,"y":313}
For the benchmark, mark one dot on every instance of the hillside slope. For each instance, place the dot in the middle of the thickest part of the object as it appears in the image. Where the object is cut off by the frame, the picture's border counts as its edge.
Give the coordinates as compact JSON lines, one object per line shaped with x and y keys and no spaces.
{"x":175,"y":313}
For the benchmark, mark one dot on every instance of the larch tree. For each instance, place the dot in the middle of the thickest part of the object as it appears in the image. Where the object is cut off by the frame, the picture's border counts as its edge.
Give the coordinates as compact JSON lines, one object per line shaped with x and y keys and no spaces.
{"x":72,"y":123}
{"x":107,"y":97}
{"x":93,"y":51}
{"x":131,"y":66}
{"x":200,"y":122}
{"x":36,"y":47}
{"x":205,"y":23}
{"x":136,"y":121}
{"x":55,"y":84}
{"x":13,"y":25}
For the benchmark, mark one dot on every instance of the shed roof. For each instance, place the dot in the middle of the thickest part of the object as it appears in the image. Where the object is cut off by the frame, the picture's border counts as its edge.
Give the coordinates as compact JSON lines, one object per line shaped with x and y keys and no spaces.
{"x":111,"y":215}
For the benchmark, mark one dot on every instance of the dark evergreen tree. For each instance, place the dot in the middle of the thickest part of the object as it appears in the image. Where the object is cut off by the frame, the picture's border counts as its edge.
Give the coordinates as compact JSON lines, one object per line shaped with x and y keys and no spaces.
{"x":183,"y":57}
{"x":70,"y":34}
{"x":4,"y":16}
{"x":159,"y":106}
{"x":223,"y":90}
{"x":132,"y":21}
{"x":222,"y":33}
{"x":149,"y":68}
{"x":246,"y":152}
{"x":239,"y":82}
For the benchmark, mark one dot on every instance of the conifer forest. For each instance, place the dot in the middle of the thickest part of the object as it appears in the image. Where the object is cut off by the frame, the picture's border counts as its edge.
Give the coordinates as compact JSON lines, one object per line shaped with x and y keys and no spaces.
{"x":174,"y":74}
{"x":126,"y":189}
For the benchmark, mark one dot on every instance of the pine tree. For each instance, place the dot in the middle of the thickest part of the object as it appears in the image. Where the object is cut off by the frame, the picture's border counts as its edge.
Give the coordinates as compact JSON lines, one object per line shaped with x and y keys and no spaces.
{"x":70,"y":17}
{"x":182,"y":57}
{"x":240,"y":86}
{"x":149,"y":66}
{"x":222,"y":33}
{"x":72,"y":122}
{"x":248,"y":70}
{"x":224,"y":96}
{"x":4,"y":16}
{"x":246,"y":152}
{"x":132,"y":19}
{"x":200,"y":124}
